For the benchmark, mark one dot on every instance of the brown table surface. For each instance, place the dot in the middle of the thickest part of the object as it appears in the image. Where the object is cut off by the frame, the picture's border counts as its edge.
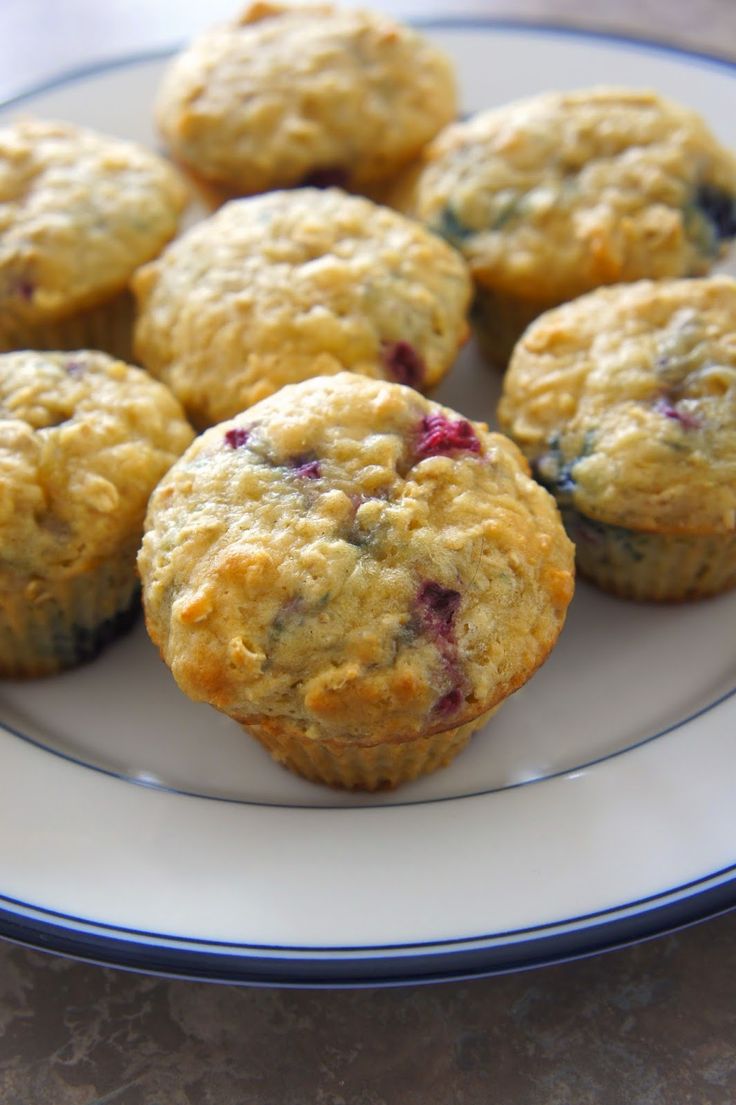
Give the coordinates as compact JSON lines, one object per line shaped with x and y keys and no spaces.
{"x":649,"y":1025}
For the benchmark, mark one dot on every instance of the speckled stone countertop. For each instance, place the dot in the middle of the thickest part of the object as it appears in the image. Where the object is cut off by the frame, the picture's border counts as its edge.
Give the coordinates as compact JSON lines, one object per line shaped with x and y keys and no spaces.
{"x":653,"y":1024}
{"x":649,"y":1025}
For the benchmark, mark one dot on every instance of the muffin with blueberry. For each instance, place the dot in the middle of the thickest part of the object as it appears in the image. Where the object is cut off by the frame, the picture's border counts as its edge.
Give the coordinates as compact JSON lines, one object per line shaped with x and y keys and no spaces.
{"x":83,"y":441}
{"x":625,"y":402}
{"x":277,"y":288}
{"x":304,"y":94}
{"x":356,"y":574}
{"x":79,"y":212}
{"x":551,"y":197}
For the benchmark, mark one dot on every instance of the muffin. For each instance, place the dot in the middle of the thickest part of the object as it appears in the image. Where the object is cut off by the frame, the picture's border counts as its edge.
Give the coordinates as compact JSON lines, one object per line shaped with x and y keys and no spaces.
{"x":78,"y":213}
{"x":356,"y":574}
{"x":83,"y":441}
{"x":625,"y":402}
{"x":277,"y":288}
{"x":550,"y":197}
{"x":307,"y":94}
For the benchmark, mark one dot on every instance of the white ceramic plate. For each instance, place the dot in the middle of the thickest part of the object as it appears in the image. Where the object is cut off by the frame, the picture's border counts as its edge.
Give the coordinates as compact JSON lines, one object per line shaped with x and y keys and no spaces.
{"x":599,"y":806}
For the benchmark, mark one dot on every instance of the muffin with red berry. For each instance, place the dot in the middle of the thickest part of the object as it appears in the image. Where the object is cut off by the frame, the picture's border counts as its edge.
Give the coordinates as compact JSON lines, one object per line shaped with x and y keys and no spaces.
{"x":277,"y":288}
{"x":83,"y":441}
{"x":356,"y":574}
{"x":625,"y":402}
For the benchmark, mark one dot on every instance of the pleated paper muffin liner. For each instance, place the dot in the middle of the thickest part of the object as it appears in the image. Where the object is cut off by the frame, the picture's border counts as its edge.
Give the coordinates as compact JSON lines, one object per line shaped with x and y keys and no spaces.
{"x":108,"y":327}
{"x":498,"y":320}
{"x":47,"y":626}
{"x":354,"y":766}
{"x":651,"y":566}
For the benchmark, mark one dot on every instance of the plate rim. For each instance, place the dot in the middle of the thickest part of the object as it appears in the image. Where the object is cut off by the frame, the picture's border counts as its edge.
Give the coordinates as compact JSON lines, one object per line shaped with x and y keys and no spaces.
{"x":324,"y":969}
{"x":119,"y":775}
{"x":103,"y":64}
{"x":106,"y":944}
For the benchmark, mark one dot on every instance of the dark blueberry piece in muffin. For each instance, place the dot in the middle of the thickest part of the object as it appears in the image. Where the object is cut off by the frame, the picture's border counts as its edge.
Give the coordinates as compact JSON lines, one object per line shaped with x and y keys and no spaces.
{"x":438,"y":606}
{"x":331,"y":176}
{"x":306,"y":467}
{"x":719,"y":208}
{"x":403,"y":363}
{"x":685,"y":418}
{"x":237,"y":437}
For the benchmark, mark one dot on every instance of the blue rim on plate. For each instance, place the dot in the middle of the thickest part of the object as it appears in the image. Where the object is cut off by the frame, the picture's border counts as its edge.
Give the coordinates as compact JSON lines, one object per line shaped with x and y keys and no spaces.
{"x":386,"y":965}
{"x":166,"y":788}
{"x":409,"y":964}
{"x":450,"y":22}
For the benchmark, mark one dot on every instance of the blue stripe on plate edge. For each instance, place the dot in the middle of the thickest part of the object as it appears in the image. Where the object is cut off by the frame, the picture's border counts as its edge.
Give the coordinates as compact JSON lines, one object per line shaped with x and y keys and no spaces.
{"x":449,"y":22}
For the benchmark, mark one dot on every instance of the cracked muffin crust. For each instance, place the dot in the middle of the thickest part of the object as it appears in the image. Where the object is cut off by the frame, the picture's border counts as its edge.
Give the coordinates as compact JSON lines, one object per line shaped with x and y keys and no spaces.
{"x":83,"y":441}
{"x":550,"y":197}
{"x":276,"y":288}
{"x":290,"y":95}
{"x":356,"y":574}
{"x":625,"y":402}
